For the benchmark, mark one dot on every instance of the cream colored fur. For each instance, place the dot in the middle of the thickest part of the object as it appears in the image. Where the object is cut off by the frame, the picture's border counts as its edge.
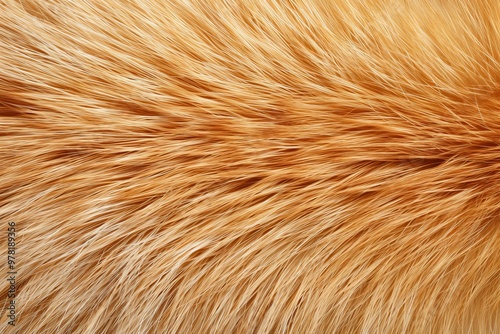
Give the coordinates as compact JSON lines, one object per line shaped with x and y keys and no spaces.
{"x":251,"y":166}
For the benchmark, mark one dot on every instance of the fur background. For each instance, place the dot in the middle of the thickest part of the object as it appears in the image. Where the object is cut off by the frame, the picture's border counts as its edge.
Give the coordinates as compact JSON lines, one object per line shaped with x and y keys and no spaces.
{"x":251,"y":166}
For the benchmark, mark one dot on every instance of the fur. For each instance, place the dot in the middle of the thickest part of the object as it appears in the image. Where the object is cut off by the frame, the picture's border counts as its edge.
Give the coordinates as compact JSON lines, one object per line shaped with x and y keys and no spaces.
{"x":260,"y":166}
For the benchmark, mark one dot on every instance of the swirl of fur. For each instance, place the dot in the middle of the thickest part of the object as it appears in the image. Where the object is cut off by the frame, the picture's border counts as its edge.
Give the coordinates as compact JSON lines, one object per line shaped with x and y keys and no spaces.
{"x":257,"y":166}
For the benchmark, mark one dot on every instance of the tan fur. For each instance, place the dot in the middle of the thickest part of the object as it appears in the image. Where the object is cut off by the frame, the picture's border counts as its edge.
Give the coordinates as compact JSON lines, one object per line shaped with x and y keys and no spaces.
{"x":252,"y":166}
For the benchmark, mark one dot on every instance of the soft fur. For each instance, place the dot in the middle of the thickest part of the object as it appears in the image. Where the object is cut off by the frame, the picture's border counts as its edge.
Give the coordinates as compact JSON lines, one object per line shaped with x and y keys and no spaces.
{"x":254,"y":166}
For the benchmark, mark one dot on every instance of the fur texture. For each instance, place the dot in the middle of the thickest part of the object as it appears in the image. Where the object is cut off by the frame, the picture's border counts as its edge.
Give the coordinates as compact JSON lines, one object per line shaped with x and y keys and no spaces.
{"x":255,"y":166}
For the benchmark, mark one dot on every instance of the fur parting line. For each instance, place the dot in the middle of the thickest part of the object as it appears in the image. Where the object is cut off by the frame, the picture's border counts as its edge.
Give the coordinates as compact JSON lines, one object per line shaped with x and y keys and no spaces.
{"x":250,"y":166}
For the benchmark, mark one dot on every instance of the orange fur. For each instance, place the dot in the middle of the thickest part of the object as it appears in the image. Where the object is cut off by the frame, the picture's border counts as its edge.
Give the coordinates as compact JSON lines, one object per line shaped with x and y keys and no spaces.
{"x":260,"y":166}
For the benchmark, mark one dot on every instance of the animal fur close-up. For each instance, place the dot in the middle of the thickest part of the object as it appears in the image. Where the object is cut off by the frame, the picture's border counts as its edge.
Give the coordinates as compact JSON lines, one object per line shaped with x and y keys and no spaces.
{"x":250,"y":166}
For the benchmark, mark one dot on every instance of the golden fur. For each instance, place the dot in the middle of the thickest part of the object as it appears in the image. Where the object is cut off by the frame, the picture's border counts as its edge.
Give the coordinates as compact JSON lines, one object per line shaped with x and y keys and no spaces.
{"x":257,"y":166}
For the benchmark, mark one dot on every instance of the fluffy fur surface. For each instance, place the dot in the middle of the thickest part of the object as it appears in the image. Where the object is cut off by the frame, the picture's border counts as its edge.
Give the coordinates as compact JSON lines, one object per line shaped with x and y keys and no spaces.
{"x":251,"y":166}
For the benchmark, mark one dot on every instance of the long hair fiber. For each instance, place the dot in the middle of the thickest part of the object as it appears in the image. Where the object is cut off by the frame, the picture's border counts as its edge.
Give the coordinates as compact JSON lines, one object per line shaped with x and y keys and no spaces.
{"x":259,"y":166}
